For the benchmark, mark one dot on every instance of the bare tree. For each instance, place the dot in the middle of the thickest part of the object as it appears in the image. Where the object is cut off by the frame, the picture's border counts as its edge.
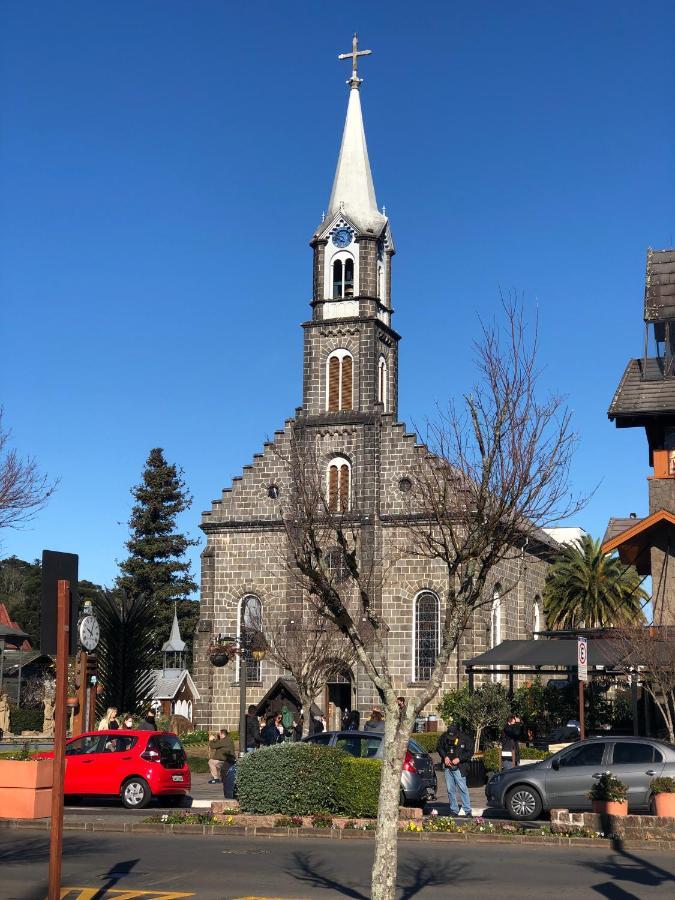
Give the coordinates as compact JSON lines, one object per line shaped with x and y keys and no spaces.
{"x":310,"y":647}
{"x":495,"y":470}
{"x":649,"y":656}
{"x":24,"y":490}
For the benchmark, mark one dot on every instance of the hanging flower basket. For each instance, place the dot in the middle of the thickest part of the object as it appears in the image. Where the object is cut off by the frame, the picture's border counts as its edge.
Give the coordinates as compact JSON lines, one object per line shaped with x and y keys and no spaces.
{"x":221,"y":654}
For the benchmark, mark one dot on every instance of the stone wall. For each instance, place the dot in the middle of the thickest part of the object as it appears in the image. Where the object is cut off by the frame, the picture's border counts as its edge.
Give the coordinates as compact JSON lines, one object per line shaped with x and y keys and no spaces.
{"x":651,"y":828}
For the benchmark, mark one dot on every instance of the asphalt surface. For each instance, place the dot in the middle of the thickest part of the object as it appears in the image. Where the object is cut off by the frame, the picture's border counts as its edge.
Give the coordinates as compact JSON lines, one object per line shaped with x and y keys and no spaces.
{"x":166,"y":867}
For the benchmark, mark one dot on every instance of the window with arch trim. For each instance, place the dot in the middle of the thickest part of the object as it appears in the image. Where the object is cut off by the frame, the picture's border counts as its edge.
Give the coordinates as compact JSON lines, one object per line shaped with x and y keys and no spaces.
{"x":343,"y":276}
{"x":536,"y":617}
{"x":427,"y":634}
{"x":382,"y":385}
{"x":496,"y":623}
{"x":339,"y":381}
{"x":249,"y":615}
{"x":339,"y":484}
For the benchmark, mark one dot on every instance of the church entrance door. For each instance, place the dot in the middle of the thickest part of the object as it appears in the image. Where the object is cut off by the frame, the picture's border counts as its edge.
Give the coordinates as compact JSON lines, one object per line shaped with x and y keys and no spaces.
{"x":339,"y":699}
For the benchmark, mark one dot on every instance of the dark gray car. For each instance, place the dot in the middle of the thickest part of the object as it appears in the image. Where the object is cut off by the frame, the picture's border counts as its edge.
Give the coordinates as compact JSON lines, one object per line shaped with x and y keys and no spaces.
{"x":564,"y":780}
{"x":418,"y":778}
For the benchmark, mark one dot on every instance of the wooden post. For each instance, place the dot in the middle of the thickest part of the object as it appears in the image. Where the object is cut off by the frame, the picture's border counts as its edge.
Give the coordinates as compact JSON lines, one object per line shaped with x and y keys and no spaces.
{"x":582,"y":712}
{"x":79,"y":719}
{"x":62,"y":642}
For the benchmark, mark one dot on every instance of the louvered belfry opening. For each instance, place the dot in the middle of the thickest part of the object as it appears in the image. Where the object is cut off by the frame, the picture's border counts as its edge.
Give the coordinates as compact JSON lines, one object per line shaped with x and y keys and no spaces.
{"x":340,"y":382}
{"x":339,"y":487}
{"x":333,"y":384}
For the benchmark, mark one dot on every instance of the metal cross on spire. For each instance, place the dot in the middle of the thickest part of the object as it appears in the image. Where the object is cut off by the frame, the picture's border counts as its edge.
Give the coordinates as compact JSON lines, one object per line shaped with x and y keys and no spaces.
{"x":355,"y":81}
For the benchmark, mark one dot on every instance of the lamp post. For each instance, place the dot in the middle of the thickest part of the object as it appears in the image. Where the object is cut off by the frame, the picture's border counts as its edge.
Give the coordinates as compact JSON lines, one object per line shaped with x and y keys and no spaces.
{"x":249,"y":640}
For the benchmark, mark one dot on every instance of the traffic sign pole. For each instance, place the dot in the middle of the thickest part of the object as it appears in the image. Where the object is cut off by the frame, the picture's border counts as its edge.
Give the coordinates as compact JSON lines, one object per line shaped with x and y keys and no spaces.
{"x":582,"y":676}
{"x":59,"y":765}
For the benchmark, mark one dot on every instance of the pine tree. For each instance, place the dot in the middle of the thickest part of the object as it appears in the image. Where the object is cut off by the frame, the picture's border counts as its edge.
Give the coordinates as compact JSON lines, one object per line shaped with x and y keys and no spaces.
{"x":156,"y":565}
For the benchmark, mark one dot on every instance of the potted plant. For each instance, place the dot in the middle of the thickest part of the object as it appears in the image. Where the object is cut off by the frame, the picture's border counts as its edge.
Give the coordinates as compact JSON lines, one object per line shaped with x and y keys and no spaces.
{"x":663,"y":796}
{"x":608,"y":796}
{"x":221,"y":653}
{"x":25,"y":786}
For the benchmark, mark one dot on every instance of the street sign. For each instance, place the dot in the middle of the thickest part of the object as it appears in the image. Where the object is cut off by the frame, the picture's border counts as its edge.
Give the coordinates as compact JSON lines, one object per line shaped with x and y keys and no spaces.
{"x":58,"y":567}
{"x":582,"y":658}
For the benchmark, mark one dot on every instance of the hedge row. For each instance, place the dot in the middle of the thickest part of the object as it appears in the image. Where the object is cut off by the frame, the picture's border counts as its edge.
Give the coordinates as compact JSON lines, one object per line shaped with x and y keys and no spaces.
{"x":427,"y":739}
{"x":21,"y":719}
{"x":492,"y":758}
{"x":303,"y":779}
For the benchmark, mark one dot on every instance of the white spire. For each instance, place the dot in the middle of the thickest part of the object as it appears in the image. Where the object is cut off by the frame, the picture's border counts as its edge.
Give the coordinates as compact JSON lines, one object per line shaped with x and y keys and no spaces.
{"x":175,"y":644}
{"x":353,"y":190}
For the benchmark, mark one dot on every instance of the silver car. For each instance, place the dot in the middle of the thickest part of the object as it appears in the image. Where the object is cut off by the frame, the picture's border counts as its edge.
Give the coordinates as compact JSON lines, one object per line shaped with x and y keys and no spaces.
{"x":564,"y":780}
{"x":418,"y":778}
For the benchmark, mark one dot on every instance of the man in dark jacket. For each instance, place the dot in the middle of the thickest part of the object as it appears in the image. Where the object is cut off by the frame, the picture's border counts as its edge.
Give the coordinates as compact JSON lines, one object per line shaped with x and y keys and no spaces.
{"x":148,"y":723}
{"x":511,"y":735}
{"x":456,"y":750}
{"x":252,"y":730}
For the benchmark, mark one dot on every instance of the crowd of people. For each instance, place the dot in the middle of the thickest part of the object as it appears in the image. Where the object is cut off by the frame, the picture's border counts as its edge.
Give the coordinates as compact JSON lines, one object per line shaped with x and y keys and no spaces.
{"x":111,"y":721}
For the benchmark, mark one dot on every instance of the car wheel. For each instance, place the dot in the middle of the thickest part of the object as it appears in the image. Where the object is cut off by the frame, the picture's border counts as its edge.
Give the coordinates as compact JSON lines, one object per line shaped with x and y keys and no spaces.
{"x":136,"y":793}
{"x":523,"y":802}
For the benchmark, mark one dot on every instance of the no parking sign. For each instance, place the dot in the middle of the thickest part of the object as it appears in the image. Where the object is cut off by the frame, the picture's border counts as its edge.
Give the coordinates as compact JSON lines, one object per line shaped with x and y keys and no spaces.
{"x":582,"y":658}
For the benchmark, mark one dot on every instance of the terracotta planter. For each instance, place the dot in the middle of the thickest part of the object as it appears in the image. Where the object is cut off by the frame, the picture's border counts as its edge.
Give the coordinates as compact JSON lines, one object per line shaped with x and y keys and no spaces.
{"x":610,"y":807}
{"x":25,"y":788}
{"x":72,"y":702}
{"x":664,"y":805}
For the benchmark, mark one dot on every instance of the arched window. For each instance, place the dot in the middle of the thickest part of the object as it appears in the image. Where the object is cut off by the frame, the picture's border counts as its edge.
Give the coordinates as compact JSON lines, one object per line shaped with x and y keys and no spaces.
{"x":536,"y":617}
{"x":249,"y":618}
{"x":343,"y":276}
{"x":427,"y":631}
{"x":382,"y":382}
{"x":496,"y":623}
{"x":339,"y":381}
{"x":339,"y":484}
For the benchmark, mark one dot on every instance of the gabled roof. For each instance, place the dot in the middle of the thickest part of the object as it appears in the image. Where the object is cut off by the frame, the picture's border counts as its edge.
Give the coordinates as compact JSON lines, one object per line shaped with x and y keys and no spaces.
{"x":168,"y":683}
{"x":644,"y":391}
{"x":634,"y":542}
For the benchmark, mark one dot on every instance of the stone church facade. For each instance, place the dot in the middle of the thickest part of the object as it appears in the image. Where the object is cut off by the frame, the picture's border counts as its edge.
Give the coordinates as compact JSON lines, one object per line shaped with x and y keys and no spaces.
{"x":350,"y":413}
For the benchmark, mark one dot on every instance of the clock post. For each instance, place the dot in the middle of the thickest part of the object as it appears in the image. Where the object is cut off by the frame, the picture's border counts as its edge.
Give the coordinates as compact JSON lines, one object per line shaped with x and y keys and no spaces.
{"x":88,"y":634}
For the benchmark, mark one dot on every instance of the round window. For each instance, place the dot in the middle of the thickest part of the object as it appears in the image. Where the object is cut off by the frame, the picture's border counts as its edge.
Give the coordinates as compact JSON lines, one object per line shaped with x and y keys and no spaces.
{"x":405,"y":485}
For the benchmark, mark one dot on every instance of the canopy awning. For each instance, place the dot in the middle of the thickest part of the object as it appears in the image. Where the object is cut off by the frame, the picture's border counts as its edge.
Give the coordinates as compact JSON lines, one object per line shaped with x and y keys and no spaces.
{"x":602,"y":653}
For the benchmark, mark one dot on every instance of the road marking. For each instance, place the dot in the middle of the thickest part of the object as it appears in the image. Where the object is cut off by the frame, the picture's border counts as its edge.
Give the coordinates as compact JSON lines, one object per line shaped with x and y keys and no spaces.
{"x":100,"y":893}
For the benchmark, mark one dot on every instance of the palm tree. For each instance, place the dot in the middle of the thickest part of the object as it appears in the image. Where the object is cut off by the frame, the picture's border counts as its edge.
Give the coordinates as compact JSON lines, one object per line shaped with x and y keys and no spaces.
{"x":586,"y":587}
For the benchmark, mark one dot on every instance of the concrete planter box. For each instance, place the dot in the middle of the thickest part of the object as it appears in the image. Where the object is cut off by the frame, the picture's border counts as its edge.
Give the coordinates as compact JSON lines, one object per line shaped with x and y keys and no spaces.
{"x":25,"y":788}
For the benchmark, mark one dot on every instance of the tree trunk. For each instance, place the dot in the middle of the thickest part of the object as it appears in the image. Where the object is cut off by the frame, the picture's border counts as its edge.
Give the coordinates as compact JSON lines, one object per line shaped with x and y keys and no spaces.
{"x":395,"y":742}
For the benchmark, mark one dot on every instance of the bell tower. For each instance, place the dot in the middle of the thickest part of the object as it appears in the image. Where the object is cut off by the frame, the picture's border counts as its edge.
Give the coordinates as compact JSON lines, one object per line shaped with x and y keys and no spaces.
{"x":350,"y":353}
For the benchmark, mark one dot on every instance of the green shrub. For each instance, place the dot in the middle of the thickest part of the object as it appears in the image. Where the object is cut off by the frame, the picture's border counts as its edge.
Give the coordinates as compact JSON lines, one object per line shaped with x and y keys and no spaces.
{"x":322,"y":820}
{"x":427,"y":739}
{"x":492,"y":757}
{"x":608,"y":788}
{"x":304,"y":779}
{"x":194,"y":737}
{"x":663,"y":786}
{"x":21,"y":719}
{"x":359,"y":787}
{"x":293,"y":779}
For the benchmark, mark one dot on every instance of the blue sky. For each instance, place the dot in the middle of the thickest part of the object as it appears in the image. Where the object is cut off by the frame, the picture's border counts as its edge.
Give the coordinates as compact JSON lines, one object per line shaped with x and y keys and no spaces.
{"x":163,"y":166}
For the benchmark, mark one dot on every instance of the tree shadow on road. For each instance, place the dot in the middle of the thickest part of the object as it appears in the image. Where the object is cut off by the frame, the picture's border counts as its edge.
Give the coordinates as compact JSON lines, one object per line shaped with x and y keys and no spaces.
{"x":628,"y":867}
{"x":413,"y":876}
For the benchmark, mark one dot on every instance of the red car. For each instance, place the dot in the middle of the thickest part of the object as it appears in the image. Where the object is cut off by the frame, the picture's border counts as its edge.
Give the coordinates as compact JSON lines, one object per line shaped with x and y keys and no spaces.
{"x":133,"y":765}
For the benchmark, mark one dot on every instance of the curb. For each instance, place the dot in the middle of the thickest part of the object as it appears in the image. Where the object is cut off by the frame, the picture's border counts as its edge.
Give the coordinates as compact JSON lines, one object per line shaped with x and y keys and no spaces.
{"x":346,"y":834}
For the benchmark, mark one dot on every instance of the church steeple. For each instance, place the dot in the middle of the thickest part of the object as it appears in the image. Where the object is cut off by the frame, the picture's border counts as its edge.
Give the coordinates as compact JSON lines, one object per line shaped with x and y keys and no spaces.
{"x":350,"y":347}
{"x":353,"y":189}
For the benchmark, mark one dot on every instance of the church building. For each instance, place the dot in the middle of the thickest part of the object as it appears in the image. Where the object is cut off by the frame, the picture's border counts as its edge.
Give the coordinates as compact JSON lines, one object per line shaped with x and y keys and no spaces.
{"x":350,"y":410}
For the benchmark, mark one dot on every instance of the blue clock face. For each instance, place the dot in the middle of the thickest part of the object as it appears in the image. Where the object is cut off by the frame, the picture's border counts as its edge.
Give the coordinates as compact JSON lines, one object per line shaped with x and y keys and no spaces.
{"x":342,"y":237}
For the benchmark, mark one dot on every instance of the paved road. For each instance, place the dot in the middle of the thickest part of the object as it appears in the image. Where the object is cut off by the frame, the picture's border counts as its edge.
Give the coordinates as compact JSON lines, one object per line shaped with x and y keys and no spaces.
{"x":166,"y":867}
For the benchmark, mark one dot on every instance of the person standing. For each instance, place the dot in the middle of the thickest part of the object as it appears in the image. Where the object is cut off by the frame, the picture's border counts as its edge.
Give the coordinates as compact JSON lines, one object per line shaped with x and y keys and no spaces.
{"x":221,"y":752}
{"x":252,"y":730}
{"x":456,"y":750}
{"x":375,"y":722}
{"x":511,"y":735}
{"x":148,"y":723}
{"x":109,"y":721}
{"x":273,"y":732}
